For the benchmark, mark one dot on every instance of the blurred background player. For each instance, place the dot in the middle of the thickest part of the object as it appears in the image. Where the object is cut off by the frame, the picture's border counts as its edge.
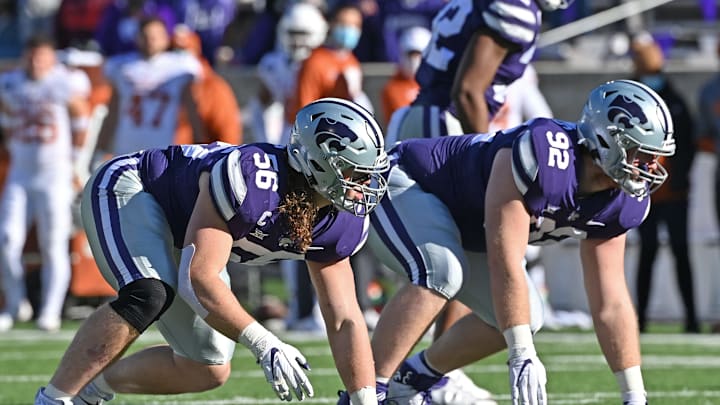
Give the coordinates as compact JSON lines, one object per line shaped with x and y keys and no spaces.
{"x":477,"y":50}
{"x":301,"y":29}
{"x":151,"y":88}
{"x":670,"y":202}
{"x":401,"y":89}
{"x":44,"y":111}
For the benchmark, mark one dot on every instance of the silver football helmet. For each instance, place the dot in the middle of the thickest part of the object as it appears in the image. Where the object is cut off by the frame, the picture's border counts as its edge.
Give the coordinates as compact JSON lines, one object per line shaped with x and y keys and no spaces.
{"x":552,"y":5}
{"x":339,"y":146}
{"x":622,"y":119}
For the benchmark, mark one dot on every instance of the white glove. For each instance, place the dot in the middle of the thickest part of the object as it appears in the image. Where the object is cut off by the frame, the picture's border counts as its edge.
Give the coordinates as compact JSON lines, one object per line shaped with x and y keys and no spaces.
{"x":527,"y":377}
{"x":283,"y":364}
{"x":634,"y":398}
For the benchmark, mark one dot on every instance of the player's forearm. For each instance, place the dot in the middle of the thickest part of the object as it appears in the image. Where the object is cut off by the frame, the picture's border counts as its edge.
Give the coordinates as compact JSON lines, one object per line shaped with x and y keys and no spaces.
{"x":224,"y":312}
{"x":472,"y":112}
{"x":510,"y":292}
{"x":350,"y":345}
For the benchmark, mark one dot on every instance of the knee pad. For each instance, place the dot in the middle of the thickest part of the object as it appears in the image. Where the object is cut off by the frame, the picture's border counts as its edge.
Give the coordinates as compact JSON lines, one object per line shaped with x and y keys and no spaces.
{"x":143,"y":301}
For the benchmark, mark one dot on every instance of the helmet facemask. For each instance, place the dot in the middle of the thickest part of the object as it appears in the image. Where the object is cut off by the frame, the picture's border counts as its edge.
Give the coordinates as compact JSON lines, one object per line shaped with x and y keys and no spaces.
{"x":362,"y":179}
{"x":636,"y":170}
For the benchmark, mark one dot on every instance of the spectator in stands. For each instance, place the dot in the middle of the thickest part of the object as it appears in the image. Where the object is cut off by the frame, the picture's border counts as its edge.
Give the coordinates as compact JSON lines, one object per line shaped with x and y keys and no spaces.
{"x":151,"y":89}
{"x":670,"y":202}
{"x":208,"y":19}
{"x":77,"y":20}
{"x":401,"y":89}
{"x":44,"y":111}
{"x":217,"y":106}
{"x":118,"y":29}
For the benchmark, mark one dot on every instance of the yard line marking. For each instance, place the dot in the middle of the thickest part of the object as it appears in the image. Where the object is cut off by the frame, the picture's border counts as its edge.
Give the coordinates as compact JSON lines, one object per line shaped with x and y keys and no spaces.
{"x":554,"y":364}
{"x":28,"y":336}
{"x":556,"y":398}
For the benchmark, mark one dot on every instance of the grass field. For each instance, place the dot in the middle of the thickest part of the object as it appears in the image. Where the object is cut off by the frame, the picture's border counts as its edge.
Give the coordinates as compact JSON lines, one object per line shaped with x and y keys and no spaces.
{"x":679,"y":370}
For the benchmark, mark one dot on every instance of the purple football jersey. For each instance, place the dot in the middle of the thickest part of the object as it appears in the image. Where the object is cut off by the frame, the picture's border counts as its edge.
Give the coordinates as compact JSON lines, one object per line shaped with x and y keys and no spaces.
{"x":515,"y":23}
{"x":247,"y":184}
{"x":546,"y":165}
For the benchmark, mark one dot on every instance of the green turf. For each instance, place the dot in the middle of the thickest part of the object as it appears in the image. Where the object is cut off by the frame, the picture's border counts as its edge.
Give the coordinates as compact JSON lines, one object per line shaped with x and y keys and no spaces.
{"x":678,"y":369}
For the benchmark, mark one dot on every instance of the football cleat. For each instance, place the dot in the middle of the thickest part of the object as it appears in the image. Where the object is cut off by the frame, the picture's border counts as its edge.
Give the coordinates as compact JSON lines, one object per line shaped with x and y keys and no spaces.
{"x":409,"y":387}
{"x":456,"y":388}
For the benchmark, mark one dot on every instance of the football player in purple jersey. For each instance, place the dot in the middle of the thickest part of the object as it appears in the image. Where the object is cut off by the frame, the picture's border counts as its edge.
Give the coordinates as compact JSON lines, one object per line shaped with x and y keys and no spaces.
{"x":163,"y":223}
{"x":477,"y":49}
{"x":490,"y":195}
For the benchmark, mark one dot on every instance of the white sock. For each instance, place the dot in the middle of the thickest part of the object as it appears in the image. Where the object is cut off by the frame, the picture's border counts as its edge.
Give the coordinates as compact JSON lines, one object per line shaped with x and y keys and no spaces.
{"x":52,"y":392}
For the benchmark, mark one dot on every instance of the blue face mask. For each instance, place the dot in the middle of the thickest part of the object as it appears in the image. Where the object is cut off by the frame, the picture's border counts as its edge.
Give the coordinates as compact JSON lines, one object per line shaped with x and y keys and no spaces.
{"x":345,"y":36}
{"x":655,"y":82}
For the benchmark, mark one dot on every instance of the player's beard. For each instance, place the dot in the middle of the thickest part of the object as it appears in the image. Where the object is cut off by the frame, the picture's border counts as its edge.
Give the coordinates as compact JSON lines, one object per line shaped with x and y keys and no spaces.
{"x":299,"y":211}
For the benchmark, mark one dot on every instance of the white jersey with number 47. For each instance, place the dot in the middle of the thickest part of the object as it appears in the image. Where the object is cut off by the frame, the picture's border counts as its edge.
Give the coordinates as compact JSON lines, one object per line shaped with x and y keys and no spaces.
{"x":149,"y":96}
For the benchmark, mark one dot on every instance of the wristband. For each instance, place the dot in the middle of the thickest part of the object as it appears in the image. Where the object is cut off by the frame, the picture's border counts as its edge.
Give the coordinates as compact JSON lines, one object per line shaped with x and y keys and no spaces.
{"x":519,"y":337}
{"x":364,"y":396}
{"x":254,"y":337}
{"x":630,"y":379}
